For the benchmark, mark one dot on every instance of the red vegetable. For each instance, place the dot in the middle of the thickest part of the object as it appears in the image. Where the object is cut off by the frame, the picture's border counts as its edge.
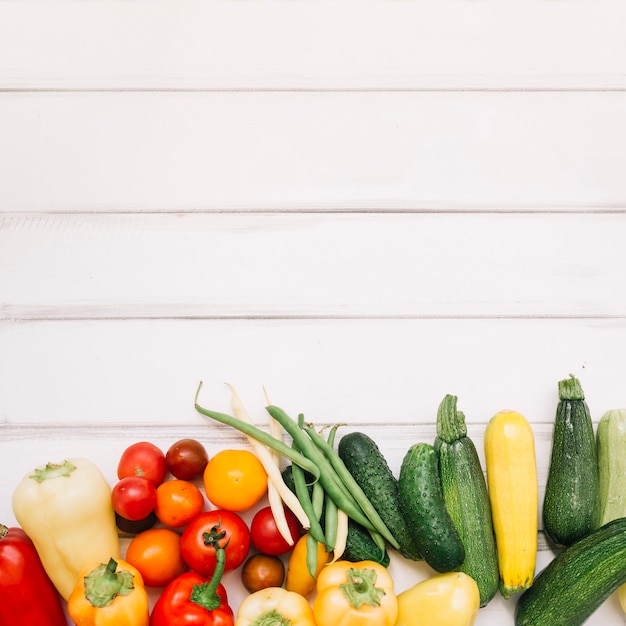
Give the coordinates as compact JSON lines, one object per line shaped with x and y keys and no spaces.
{"x":193,"y":600}
{"x":27,"y":596}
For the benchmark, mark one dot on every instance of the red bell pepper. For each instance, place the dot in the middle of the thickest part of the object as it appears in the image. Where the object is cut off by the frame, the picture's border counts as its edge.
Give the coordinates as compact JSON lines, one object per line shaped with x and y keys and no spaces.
{"x":193,"y":600}
{"x":27,"y":596}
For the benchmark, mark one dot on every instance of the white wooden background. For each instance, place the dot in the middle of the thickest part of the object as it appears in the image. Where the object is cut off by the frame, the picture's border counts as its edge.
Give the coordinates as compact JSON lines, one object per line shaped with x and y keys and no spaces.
{"x":362,"y":206}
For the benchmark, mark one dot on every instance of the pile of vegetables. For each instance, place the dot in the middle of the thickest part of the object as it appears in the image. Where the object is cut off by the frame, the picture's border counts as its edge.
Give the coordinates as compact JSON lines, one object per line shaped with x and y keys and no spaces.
{"x":318,"y":553}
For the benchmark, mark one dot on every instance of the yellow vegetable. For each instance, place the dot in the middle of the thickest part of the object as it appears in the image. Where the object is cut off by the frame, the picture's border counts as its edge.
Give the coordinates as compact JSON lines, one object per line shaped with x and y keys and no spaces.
{"x":622,"y":597}
{"x":274,"y":605}
{"x":298,"y":578}
{"x":65,"y":508}
{"x":513,"y":494}
{"x":450,"y":599}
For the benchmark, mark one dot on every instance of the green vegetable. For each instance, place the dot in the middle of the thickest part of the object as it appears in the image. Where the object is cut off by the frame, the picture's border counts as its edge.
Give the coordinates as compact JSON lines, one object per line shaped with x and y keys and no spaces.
{"x":361,"y":547}
{"x":423,"y":507}
{"x":572,"y":497}
{"x":577,"y":581}
{"x":611,"y":449}
{"x":465,"y":494}
{"x":364,"y":460}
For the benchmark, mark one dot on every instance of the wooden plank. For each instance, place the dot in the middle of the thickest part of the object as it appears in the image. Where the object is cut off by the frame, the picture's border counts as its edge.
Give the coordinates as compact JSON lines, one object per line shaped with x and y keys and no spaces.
{"x":253,"y":45}
{"x":144,"y":373}
{"x":399,"y":151}
{"x":311,"y":265}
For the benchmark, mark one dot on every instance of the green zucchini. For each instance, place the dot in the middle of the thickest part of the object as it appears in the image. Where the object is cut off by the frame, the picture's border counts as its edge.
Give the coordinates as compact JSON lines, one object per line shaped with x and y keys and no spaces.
{"x":611,"y":450}
{"x":423,"y":507}
{"x":364,"y":460}
{"x":577,"y":581}
{"x":465,"y":493}
{"x":571,"y":504}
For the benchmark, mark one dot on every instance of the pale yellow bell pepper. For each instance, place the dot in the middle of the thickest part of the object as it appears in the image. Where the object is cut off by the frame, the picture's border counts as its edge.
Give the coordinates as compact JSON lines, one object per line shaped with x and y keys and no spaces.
{"x":450,"y":599}
{"x":622,"y":597}
{"x":66,"y":509}
{"x":275,"y":605}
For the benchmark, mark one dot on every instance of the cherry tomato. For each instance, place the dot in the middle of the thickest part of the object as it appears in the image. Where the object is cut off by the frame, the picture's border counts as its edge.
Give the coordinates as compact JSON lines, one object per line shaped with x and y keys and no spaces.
{"x":266,"y":537}
{"x":261,"y":571}
{"x":186,"y":459}
{"x":235,"y":480}
{"x":156,"y":554}
{"x":142,"y":459}
{"x":133,"y":497}
{"x":178,"y":502}
{"x":225,"y":528}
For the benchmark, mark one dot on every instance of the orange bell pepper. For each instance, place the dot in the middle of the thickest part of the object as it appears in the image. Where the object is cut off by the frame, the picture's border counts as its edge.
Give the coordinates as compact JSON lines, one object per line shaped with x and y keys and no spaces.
{"x":109,"y":594}
{"x":299,"y":579}
{"x":355,"y":594}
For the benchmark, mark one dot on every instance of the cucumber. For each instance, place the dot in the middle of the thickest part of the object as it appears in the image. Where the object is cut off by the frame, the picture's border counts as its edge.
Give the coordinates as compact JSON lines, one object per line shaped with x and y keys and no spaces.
{"x":365,"y":462}
{"x":611,"y":450}
{"x":361,"y":547}
{"x":571,"y":505}
{"x":577,"y":581}
{"x":422,"y":505}
{"x":465,"y":494}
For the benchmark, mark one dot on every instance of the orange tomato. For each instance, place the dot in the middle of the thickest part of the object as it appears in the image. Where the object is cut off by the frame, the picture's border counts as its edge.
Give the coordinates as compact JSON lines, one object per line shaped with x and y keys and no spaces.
{"x":156,"y":554}
{"x":235,"y":480}
{"x":178,"y":502}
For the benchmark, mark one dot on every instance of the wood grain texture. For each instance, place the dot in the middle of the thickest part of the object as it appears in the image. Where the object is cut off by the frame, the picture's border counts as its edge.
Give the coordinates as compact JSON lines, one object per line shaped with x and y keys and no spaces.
{"x":180,"y":152}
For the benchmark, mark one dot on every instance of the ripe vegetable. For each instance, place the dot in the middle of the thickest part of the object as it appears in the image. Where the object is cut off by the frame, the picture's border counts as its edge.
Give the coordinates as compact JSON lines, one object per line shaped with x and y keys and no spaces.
{"x":275,"y":606}
{"x":261,"y":571}
{"x":465,"y":494}
{"x":578,"y":580}
{"x":192,"y":599}
{"x":265,"y":535}
{"x":210,"y":531}
{"x":186,"y":459}
{"x":65,"y":508}
{"x":235,"y":480}
{"x":424,"y":508}
{"x":134,"y":497}
{"x":370,"y":469}
{"x":27,"y":596}
{"x":361,"y":547}
{"x":513,"y":494}
{"x":178,"y":502}
{"x":450,"y":599}
{"x":299,"y":579}
{"x":142,"y":459}
{"x":157,"y":555}
{"x":355,"y":594}
{"x":109,"y":594}
{"x":572,"y":498}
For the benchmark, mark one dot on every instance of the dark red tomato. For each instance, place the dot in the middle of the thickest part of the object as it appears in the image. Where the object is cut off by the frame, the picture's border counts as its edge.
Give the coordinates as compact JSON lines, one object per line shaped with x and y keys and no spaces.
{"x":224,"y":528}
{"x":143,"y":459}
{"x":261,"y":571}
{"x":265,"y":535}
{"x":186,"y":459}
{"x":134,"y":498}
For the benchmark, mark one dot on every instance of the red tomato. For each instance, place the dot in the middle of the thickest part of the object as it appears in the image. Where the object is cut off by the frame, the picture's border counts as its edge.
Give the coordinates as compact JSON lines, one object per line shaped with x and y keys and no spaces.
{"x":186,"y":459}
{"x":143,"y":459}
{"x":224,"y":527}
{"x":265,"y":535}
{"x":134,"y":498}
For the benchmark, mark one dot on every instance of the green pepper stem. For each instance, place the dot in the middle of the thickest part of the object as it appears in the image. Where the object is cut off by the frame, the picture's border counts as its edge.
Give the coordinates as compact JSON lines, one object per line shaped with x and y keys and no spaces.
{"x":360,"y":588}
{"x":103,"y":584}
{"x":205,"y":594}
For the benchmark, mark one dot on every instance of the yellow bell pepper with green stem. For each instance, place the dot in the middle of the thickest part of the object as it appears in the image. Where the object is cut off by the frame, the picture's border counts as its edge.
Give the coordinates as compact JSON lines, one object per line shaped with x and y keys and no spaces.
{"x":109,"y":594}
{"x":65,"y":508}
{"x":355,"y":594}
{"x":450,"y":599}
{"x":275,"y":606}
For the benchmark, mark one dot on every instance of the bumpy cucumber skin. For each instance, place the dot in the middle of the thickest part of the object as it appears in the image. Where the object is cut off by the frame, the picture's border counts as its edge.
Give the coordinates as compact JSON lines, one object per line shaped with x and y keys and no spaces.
{"x":361,"y":547}
{"x":364,"y":460}
{"x":424,"y":509}
{"x":577,"y":581}
{"x":571,"y":506}
{"x":465,"y":494}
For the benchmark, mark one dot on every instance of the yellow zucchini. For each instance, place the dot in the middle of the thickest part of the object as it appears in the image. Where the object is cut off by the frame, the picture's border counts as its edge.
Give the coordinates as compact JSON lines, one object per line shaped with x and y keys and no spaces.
{"x":513,"y":494}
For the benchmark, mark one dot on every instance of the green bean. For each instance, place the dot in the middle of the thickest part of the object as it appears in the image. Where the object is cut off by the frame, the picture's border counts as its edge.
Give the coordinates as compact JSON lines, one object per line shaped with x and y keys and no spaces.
{"x":311,"y":555}
{"x":342,"y":471}
{"x":260,"y":435}
{"x":331,"y":511}
{"x":327,"y":475}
